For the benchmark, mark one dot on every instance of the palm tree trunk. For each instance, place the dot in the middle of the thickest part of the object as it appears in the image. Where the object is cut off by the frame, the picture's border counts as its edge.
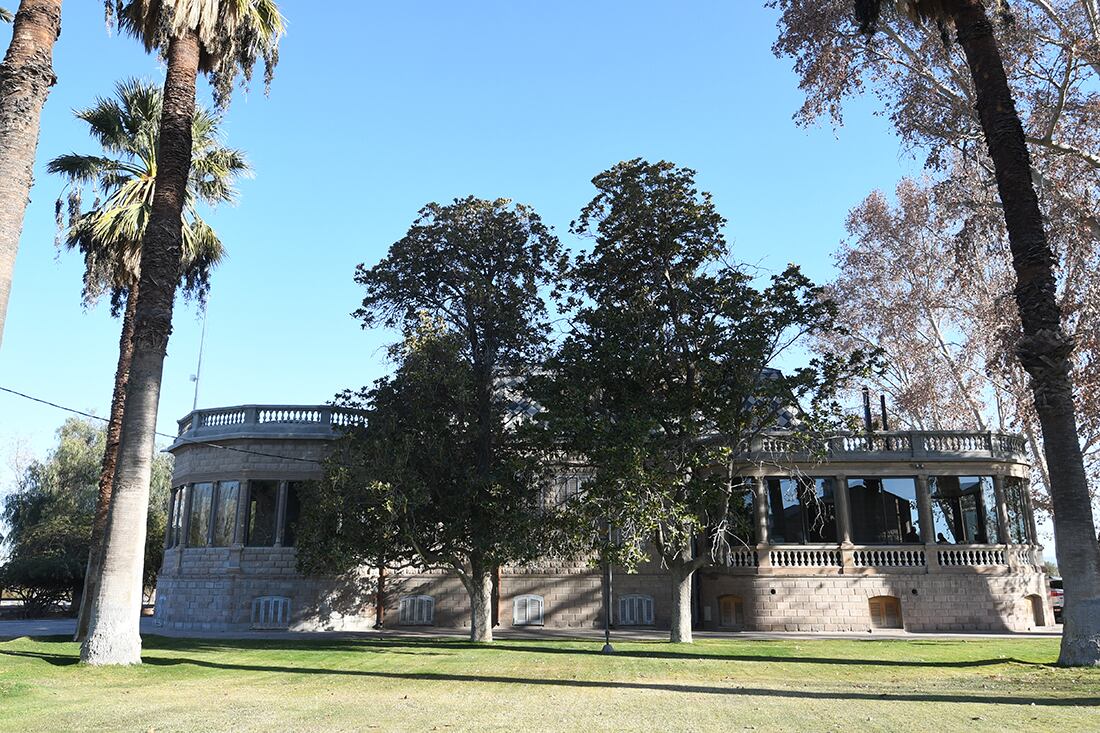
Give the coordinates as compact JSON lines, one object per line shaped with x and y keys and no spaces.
{"x":26,"y":76}
{"x":110,"y":461}
{"x":113,"y":634}
{"x":1044,"y":349}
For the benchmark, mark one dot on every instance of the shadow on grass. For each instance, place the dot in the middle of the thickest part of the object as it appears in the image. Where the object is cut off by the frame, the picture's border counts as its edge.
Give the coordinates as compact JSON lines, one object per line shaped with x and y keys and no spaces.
{"x":616,"y":685}
{"x":445,"y":647}
{"x":451,"y":646}
{"x":167,"y":644}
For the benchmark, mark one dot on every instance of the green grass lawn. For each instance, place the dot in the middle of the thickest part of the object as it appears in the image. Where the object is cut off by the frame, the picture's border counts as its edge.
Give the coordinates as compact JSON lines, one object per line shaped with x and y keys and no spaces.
{"x":532,"y":685}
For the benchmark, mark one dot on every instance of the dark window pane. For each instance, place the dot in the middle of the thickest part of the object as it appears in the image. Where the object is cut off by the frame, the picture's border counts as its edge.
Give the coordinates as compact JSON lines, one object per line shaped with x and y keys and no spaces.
{"x":225,"y":513}
{"x":958,"y":511}
{"x":784,"y":512}
{"x":884,"y":511}
{"x":201,"y":499}
{"x":989,"y":510}
{"x":742,"y":521}
{"x":290,"y":523}
{"x":1016,"y":502}
{"x":819,"y":509}
{"x":175,"y":527}
{"x":263,"y":512}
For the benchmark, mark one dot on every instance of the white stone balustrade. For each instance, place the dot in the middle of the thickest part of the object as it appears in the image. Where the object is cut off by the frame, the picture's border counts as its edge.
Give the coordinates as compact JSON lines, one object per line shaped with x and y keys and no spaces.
{"x":898,"y":445}
{"x":266,"y":421}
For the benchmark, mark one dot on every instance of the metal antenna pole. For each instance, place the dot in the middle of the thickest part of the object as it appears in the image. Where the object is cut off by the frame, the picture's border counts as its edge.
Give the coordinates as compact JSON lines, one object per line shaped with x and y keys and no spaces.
{"x":198,"y":369}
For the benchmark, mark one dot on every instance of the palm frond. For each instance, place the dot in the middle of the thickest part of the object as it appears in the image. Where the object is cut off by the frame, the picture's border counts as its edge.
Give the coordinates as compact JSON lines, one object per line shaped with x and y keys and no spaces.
{"x":233,"y":35}
{"x":109,"y":234}
{"x":6,"y":16}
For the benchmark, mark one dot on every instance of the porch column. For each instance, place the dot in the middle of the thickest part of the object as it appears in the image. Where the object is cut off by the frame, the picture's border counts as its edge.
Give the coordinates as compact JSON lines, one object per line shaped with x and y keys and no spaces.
{"x":1002,"y":510}
{"x":924,"y":510}
{"x":760,"y":514}
{"x":843,"y":509}
{"x":280,"y":514}
{"x":760,"y":508}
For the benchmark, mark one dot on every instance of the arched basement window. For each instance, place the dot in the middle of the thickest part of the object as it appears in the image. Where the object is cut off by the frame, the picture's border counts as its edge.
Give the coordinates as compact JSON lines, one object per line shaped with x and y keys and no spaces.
{"x":885,"y":612}
{"x":636,"y":610}
{"x":1038,"y":611}
{"x":527,"y":611}
{"x":731,"y":612}
{"x":417,"y":611}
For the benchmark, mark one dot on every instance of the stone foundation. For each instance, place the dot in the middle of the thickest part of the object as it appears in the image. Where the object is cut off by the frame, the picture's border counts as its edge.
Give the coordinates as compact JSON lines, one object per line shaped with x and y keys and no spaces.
{"x":213,"y":589}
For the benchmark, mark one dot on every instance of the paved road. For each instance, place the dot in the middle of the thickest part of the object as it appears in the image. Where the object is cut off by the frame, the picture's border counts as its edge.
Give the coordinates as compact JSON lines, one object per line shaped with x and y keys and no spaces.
{"x":65,"y":627}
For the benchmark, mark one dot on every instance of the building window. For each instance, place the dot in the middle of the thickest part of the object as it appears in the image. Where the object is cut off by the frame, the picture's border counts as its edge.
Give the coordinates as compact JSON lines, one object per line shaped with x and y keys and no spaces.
{"x":175,"y":522}
{"x":731,"y":612}
{"x":885,"y":612}
{"x":742,"y":519}
{"x":293,"y":510}
{"x":270,"y":612}
{"x":263,"y":513}
{"x":527,"y":611}
{"x":202,"y":497}
{"x":635,"y":610}
{"x":964,"y":509}
{"x":1016,"y":504}
{"x":568,"y":488}
{"x":884,"y":511}
{"x":417,"y":611}
{"x":801,"y":510}
{"x":225,"y":513}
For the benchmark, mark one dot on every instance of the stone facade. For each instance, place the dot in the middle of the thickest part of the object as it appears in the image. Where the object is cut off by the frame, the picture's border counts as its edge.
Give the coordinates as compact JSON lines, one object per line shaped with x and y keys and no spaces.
{"x":923,"y":586}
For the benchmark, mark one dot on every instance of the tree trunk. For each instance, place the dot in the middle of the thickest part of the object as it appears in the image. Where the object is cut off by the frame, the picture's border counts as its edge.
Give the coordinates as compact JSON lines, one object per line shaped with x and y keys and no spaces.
{"x":26,"y":76}
{"x":113,"y":634}
{"x":110,"y":461}
{"x":479,"y":584}
{"x":680,"y":576}
{"x":1044,"y":349}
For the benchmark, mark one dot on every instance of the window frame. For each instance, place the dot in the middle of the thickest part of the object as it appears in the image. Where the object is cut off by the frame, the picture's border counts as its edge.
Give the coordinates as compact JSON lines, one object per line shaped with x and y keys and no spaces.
{"x":880,"y":508}
{"x":810,"y":506}
{"x":527,"y":599}
{"x":634,"y":601}
{"x":410,"y":607}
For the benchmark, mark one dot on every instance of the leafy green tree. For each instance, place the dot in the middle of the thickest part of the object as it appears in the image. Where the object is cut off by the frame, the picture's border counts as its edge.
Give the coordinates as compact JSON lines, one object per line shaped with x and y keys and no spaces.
{"x":665,"y":375}
{"x":109,"y":233}
{"x":26,"y":77}
{"x":439,"y":474}
{"x":223,"y":39}
{"x":49,"y":518}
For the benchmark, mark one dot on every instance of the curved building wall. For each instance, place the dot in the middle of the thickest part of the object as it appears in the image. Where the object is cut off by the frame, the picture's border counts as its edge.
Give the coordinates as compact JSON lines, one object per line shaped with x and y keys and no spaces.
{"x":214,"y":577}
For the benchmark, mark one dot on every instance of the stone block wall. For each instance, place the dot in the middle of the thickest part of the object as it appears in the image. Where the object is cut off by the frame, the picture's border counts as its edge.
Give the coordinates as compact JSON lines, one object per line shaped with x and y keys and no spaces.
{"x":929,"y":602}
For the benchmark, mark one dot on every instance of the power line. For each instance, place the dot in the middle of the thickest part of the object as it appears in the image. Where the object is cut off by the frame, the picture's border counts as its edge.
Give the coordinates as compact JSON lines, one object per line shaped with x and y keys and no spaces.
{"x":175,"y":438}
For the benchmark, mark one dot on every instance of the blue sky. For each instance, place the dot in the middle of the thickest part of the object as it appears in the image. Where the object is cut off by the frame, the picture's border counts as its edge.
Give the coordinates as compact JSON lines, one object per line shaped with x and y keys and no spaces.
{"x":378,"y":108}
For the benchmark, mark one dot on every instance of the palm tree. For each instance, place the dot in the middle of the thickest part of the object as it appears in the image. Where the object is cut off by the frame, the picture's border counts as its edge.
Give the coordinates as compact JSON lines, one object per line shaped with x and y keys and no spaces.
{"x":6,"y":16}
{"x":1044,"y":349}
{"x":109,"y":236}
{"x":220,"y":38}
{"x":26,"y":76}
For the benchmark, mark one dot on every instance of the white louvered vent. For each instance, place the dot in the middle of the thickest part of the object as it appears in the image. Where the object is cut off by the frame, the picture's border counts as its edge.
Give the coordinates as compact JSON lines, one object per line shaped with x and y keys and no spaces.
{"x":270,"y":612}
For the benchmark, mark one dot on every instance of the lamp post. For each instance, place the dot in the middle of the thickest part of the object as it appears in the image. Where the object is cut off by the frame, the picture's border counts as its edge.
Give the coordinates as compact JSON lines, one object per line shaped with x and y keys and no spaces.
{"x":607,"y":648}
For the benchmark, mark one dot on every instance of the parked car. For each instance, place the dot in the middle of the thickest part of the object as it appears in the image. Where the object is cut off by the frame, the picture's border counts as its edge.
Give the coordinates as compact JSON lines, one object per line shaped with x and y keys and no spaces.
{"x":1056,"y":598}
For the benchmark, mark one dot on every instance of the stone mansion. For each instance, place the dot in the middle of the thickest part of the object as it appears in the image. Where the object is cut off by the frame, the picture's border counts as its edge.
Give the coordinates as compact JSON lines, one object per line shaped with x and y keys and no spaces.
{"x":926,"y":531}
